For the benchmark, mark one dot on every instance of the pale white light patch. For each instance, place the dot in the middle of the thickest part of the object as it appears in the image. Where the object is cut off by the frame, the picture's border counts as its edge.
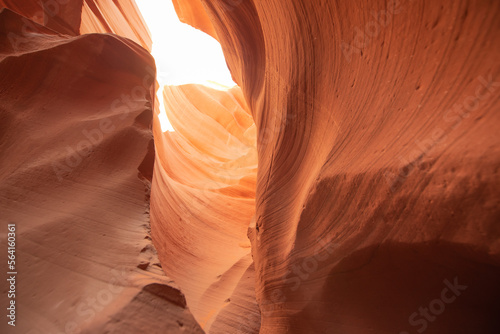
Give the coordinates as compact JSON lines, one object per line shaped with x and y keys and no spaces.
{"x":183,"y":55}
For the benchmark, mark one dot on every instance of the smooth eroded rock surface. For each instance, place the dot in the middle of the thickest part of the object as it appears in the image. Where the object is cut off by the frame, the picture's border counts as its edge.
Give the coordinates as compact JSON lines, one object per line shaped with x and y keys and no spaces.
{"x":76,"y":160}
{"x":377,"y":202}
{"x":203,"y":198}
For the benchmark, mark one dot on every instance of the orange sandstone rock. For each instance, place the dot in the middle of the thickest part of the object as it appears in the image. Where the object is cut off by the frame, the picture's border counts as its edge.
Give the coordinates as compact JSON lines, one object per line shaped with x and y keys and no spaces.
{"x":76,"y":17}
{"x":75,"y":127}
{"x":193,"y":13}
{"x":203,"y":201}
{"x":377,"y":199}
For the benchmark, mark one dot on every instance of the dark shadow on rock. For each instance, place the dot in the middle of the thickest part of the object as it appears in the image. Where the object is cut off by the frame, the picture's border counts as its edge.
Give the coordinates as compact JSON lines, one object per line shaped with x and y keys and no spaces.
{"x":141,"y":314}
{"x":378,"y":289}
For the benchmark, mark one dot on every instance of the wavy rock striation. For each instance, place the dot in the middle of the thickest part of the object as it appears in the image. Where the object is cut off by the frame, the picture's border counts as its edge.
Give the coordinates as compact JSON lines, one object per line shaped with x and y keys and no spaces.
{"x":75,"y":127}
{"x":374,"y":208}
{"x":78,"y":17}
{"x":192,"y":12}
{"x":202,"y":201}
{"x":377,"y":201}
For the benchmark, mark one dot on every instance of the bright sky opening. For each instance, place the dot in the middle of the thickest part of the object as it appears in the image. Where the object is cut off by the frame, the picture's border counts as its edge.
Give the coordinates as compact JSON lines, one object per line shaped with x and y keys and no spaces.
{"x":183,"y":54}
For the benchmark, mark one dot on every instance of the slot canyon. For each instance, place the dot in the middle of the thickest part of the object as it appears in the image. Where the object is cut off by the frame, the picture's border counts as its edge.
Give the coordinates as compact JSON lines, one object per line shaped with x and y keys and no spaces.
{"x":348,"y":184}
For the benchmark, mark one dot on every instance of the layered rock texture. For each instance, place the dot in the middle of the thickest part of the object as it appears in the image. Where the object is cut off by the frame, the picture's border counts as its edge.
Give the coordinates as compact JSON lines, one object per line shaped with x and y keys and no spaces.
{"x":76,"y":152}
{"x":203,"y":199}
{"x":350,"y":184}
{"x":377,"y":202}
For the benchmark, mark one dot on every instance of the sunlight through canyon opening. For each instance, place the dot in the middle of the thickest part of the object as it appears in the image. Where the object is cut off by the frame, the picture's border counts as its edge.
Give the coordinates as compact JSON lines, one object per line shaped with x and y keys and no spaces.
{"x":183,"y":54}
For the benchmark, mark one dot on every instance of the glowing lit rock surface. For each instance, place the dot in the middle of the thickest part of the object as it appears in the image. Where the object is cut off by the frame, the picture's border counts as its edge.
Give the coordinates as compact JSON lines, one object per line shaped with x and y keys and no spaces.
{"x":374,"y":208}
{"x":121,"y":17}
{"x":193,"y":13}
{"x":204,"y":188}
{"x":75,"y":127}
{"x":378,"y":155}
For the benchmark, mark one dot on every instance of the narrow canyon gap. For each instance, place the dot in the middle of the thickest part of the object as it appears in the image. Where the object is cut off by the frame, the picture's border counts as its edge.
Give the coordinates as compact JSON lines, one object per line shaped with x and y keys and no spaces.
{"x":349,"y":184}
{"x":378,"y":162}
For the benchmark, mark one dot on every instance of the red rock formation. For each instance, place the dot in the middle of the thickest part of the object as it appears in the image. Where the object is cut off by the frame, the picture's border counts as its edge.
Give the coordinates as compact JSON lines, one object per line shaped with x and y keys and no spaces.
{"x":204,"y":188}
{"x":374,"y":208}
{"x":193,"y":13}
{"x":75,"y":126}
{"x":377,"y":199}
{"x":60,"y":15}
{"x":76,"y":17}
{"x":121,"y":17}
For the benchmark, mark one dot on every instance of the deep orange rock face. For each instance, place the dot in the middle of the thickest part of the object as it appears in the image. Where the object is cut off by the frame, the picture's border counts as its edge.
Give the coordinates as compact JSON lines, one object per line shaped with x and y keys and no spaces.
{"x":77,"y":17}
{"x":377,"y":203}
{"x":203,"y":198}
{"x":349,"y":185}
{"x":192,"y":12}
{"x":75,"y":127}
